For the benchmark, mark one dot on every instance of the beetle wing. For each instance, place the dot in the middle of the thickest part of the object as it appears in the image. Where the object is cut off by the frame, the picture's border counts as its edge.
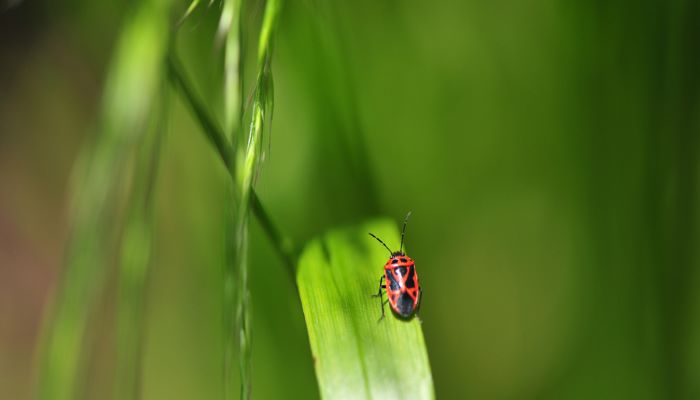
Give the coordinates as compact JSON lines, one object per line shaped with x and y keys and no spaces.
{"x":402,"y":288}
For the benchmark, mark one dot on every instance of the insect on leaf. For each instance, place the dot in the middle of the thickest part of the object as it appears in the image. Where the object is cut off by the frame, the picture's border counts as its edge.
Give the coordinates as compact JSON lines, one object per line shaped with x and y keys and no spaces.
{"x":356,"y":356}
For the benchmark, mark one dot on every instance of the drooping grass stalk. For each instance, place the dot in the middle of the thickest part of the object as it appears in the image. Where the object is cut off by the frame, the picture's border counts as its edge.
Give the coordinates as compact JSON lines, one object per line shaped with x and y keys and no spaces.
{"x":132,"y":83}
{"x":135,"y":259}
{"x":247,"y":160}
{"x":248,"y":154}
{"x":211,"y":129}
{"x":230,"y":28}
{"x":243,"y":191}
{"x":282,"y":244}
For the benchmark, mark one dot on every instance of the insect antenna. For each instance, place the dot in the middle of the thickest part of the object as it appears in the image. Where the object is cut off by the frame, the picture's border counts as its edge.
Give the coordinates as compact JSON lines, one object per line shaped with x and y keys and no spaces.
{"x":384,"y":244}
{"x":403,"y":231}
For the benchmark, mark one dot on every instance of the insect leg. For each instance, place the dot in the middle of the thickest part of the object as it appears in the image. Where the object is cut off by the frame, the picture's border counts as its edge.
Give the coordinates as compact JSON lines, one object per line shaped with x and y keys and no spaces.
{"x":381,"y":298}
{"x":383,"y":304}
{"x":379,"y":292}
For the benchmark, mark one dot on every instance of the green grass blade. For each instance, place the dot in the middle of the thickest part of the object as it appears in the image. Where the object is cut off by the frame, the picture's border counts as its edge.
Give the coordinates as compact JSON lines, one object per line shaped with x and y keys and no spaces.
{"x":356,"y":356}
{"x":133,"y":82}
{"x":135,"y":259}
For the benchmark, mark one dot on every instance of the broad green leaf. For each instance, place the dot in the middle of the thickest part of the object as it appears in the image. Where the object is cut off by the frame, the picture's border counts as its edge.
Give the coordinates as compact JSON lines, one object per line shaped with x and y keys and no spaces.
{"x":355,"y":355}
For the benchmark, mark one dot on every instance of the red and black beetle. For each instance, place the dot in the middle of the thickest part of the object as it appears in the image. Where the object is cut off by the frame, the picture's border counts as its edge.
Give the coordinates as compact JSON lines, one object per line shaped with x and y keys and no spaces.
{"x":402,"y":288}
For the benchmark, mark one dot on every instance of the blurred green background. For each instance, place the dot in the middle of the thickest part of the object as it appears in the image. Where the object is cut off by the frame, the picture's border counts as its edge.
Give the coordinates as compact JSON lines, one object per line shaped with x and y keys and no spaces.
{"x":548,"y":150}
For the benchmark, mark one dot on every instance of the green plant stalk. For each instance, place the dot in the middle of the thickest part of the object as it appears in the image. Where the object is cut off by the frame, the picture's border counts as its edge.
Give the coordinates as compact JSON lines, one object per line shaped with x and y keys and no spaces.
{"x":282,"y":244}
{"x":210,"y":127}
{"x":230,"y":28}
{"x":242,"y":295}
{"x":248,"y":159}
{"x":135,"y":259}
{"x":131,"y":86}
{"x":231,"y":24}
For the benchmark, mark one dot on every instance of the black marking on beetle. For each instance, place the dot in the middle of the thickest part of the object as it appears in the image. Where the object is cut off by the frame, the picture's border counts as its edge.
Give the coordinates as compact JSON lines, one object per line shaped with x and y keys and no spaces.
{"x":403,"y":260}
{"x":393,"y":283}
{"x":411,"y":276}
{"x":395,"y":261}
{"x":404,"y":304}
{"x":400,"y":271}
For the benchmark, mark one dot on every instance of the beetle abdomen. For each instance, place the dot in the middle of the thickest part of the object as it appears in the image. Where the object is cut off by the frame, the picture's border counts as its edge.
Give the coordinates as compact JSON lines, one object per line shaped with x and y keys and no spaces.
{"x":404,"y":304}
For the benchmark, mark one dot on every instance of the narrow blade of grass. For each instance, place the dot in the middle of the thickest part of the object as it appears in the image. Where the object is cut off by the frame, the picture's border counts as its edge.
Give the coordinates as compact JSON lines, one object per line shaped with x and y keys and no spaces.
{"x":133,"y":81}
{"x":135,"y":260}
{"x":355,"y":355}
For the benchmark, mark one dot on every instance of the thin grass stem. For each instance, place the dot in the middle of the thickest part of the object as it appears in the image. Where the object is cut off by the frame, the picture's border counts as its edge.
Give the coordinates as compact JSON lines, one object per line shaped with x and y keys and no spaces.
{"x":242,"y":170}
{"x":230,"y":29}
{"x":283,"y":244}
{"x":210,"y":128}
{"x":248,"y":159}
